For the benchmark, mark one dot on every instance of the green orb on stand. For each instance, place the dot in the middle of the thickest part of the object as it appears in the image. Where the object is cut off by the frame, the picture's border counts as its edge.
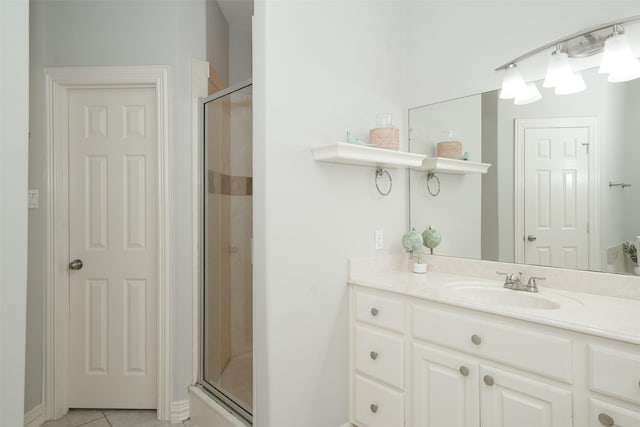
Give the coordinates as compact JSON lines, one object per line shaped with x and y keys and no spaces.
{"x":412,"y":240}
{"x":431,"y":238}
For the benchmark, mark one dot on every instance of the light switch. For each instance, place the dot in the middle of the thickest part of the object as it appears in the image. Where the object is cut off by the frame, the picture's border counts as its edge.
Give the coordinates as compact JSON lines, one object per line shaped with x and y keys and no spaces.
{"x":34,"y":199}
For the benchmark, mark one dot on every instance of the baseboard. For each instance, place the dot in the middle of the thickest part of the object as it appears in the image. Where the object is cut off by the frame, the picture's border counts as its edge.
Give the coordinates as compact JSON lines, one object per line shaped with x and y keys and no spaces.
{"x":206,"y":412}
{"x":347,"y":425}
{"x":179,"y":411}
{"x":35,"y":417}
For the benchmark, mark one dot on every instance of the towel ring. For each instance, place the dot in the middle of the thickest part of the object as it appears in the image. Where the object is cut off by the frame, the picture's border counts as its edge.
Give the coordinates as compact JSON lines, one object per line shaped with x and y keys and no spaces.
{"x":380,"y":173}
{"x":430,"y":177}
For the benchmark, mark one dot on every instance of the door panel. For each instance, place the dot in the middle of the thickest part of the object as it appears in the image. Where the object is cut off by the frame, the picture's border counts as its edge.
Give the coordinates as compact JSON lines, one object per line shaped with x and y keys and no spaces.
{"x":510,"y":400}
{"x":445,"y":389}
{"x":113,"y":230}
{"x":556,"y":196}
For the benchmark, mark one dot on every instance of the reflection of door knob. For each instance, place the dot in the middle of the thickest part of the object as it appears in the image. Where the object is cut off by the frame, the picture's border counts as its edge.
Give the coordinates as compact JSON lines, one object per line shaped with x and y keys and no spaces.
{"x":76,"y":264}
{"x":531,"y":238}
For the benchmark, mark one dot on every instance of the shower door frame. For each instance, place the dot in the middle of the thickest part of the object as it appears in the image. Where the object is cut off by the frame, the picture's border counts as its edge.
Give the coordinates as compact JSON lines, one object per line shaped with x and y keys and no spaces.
{"x":241,"y":413}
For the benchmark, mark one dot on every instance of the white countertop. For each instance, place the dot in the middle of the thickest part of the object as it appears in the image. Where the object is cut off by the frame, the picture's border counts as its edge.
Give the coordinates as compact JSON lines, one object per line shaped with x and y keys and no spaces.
{"x":605,"y":316}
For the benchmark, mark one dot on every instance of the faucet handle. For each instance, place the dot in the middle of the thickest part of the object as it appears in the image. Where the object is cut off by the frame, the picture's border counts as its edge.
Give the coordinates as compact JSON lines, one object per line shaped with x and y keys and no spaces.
{"x":532,"y":286}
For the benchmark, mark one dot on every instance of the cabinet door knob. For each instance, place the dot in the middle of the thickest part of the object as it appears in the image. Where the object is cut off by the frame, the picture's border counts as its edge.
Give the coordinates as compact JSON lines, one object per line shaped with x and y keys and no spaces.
{"x":464,"y":371}
{"x":606,"y":420}
{"x":488,"y":380}
{"x":373,"y":407}
{"x":476,"y":339}
{"x":374,"y":311}
{"x":373,"y":355}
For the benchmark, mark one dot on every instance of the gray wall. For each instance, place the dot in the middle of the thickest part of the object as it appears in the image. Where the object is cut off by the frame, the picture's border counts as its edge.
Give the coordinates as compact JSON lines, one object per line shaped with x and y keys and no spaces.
{"x":119,"y":33}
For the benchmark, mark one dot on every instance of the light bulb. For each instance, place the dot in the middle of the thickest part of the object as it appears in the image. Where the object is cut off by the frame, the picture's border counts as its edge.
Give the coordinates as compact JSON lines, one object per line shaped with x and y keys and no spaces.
{"x":530,"y":95}
{"x":513,"y":83}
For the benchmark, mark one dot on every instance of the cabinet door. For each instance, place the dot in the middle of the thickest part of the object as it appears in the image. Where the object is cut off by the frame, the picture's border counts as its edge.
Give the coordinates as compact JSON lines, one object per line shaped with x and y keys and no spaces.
{"x":511,"y":400}
{"x":445,"y":389}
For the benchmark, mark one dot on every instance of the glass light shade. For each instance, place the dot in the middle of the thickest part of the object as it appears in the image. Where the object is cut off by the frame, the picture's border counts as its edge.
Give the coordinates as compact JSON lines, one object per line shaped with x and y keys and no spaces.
{"x":574,"y":84}
{"x":513,"y":84}
{"x":631,"y":71}
{"x":617,"y":55}
{"x":530,"y":95}
{"x":559,"y":72}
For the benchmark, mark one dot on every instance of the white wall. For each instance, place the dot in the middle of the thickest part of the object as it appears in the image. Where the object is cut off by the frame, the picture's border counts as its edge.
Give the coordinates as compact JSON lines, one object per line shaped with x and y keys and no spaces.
{"x":631,"y":167}
{"x":454,"y":211}
{"x":239,"y":55}
{"x":320,"y":69}
{"x":102,"y":33}
{"x":449,"y":58}
{"x":14,"y":142}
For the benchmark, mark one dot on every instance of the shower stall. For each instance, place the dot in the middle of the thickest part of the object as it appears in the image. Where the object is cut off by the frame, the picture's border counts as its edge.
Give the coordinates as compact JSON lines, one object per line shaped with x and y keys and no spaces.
{"x":226,"y":293}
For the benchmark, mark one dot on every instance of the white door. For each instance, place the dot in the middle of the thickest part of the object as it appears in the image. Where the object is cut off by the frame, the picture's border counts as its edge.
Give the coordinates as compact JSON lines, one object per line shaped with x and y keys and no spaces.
{"x":445,"y":389}
{"x":510,"y":400}
{"x":556,"y":191}
{"x":113,"y":231}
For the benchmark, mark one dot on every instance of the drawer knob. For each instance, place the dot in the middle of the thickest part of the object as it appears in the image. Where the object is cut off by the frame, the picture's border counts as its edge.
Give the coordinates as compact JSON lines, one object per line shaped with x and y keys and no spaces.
{"x":606,"y":420}
{"x":464,"y":371}
{"x":373,"y":355}
{"x":373,"y":407}
{"x":488,"y":380}
{"x":476,"y":339}
{"x":374,"y":311}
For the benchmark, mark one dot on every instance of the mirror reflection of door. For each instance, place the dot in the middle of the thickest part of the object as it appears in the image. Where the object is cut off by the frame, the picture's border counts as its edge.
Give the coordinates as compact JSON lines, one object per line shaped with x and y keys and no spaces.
{"x":554,"y":192}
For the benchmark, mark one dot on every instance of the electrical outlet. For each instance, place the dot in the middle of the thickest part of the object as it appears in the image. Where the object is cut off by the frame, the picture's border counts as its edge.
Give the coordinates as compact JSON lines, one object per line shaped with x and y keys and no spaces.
{"x":378,"y":239}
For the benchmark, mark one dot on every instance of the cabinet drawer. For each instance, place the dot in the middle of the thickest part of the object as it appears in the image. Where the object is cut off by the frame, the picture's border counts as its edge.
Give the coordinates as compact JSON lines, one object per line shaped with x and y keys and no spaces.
{"x":542,"y":353}
{"x":380,"y":354}
{"x":615,"y":373}
{"x":377,"y":405}
{"x":379,"y":310}
{"x":605,"y":414}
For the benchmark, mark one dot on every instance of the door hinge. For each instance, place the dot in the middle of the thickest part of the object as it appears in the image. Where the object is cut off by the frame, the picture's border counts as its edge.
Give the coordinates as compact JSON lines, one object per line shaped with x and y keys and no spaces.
{"x":586,"y":146}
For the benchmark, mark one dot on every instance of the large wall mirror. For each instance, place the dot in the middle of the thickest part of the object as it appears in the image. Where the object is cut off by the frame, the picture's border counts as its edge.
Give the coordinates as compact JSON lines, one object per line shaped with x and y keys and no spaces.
{"x":563,"y":188}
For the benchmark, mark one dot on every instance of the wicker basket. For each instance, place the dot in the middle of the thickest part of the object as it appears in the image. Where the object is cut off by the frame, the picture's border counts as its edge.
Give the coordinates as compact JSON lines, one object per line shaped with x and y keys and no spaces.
{"x":385,"y":138}
{"x":449,"y":149}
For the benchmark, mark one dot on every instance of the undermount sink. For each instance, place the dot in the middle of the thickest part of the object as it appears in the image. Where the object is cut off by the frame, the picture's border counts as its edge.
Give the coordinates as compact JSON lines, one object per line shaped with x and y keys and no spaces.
{"x":491,"y":295}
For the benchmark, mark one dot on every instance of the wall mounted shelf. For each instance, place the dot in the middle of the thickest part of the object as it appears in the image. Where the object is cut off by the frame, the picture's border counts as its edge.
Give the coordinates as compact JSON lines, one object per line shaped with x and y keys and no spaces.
{"x":451,"y":166}
{"x":358,"y":155}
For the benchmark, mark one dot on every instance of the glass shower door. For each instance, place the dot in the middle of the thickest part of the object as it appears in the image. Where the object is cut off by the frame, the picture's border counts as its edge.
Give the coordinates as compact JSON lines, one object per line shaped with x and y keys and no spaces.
{"x":227,"y":288}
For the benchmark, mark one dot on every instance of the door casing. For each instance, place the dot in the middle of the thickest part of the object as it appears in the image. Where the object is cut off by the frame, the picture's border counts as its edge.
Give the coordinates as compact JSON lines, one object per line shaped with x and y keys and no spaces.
{"x":521,"y":125}
{"x":58,"y":82}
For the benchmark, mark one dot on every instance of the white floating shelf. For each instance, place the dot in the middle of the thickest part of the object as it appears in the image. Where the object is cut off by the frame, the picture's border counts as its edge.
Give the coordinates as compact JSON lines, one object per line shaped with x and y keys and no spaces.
{"x":358,"y":155}
{"x":453,"y":166}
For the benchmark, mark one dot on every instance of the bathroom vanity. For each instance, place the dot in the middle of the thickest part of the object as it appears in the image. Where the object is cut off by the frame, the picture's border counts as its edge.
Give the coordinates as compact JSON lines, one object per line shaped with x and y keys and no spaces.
{"x":459,"y":350}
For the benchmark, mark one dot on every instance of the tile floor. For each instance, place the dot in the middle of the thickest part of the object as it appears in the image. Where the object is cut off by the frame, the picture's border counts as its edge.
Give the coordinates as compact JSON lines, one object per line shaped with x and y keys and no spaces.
{"x":112,"y":418}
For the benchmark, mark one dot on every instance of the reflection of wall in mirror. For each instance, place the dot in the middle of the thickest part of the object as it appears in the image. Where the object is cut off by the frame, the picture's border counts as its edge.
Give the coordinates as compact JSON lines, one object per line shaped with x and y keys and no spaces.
{"x":615,"y":111}
{"x":459,"y":193}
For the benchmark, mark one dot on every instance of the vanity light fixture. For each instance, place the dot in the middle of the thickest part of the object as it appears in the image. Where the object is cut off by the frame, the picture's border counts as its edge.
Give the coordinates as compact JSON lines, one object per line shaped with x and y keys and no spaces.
{"x":618,"y":61}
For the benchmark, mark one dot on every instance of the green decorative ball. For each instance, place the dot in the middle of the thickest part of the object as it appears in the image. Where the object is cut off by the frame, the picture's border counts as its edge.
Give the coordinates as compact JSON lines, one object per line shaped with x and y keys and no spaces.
{"x":431,"y":237}
{"x":412,"y":241}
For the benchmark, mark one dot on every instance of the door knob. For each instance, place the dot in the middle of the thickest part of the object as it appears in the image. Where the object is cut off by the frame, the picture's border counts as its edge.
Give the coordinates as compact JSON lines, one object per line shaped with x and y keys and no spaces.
{"x":76,"y":264}
{"x":531,"y":237}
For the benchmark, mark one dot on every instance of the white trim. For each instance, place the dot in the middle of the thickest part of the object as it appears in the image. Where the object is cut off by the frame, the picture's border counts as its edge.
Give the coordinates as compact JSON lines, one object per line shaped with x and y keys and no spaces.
{"x":35,"y":417}
{"x":179,"y":411}
{"x":58,"y":83}
{"x":206,"y":412}
{"x":521,"y":125}
{"x":199,"y":88}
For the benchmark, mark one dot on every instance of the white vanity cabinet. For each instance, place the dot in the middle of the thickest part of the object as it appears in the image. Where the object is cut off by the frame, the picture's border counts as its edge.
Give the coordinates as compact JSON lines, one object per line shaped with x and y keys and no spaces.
{"x":419,"y":363}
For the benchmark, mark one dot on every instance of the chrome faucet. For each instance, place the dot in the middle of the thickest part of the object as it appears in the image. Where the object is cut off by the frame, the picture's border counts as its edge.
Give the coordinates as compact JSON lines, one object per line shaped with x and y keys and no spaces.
{"x":514,"y":281}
